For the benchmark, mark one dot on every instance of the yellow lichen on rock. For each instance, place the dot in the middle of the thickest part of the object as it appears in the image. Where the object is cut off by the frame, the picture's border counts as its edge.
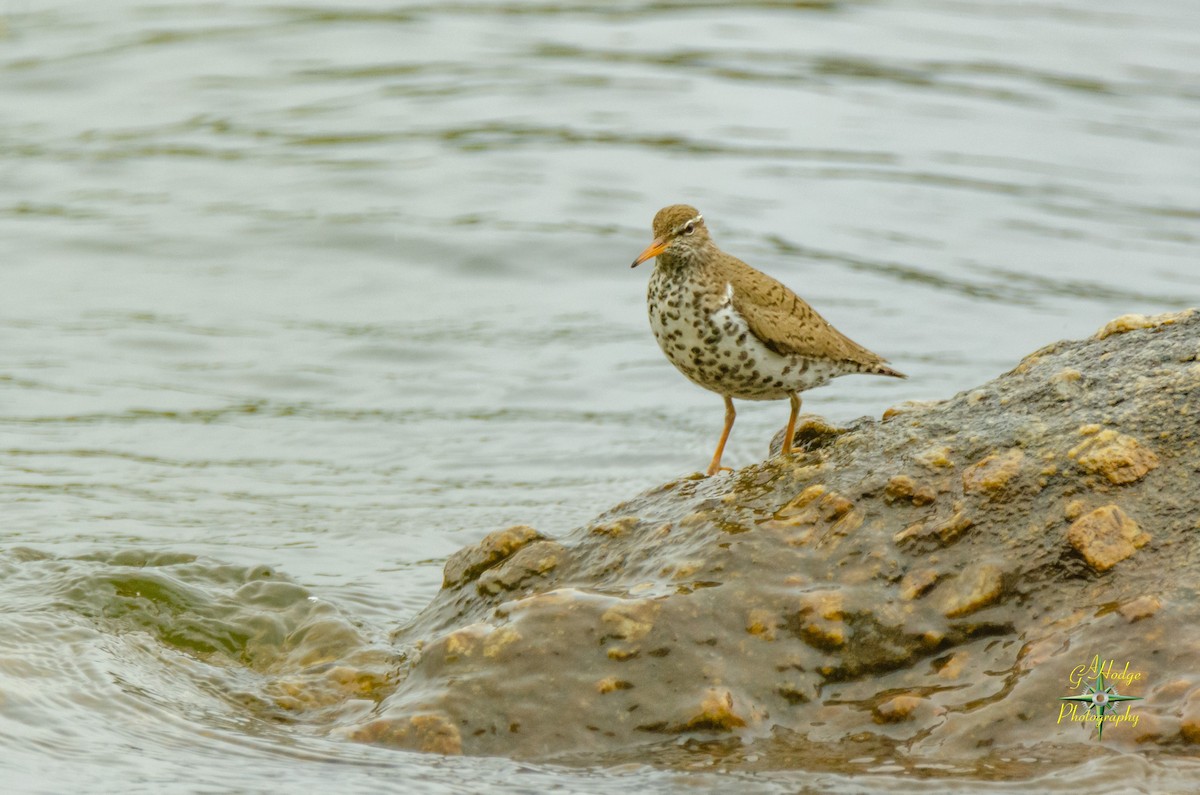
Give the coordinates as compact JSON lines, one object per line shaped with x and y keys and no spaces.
{"x":429,"y":733}
{"x":629,"y":619}
{"x":936,"y":457}
{"x":946,"y":531}
{"x":1189,"y":725}
{"x":611,"y":684}
{"x":924,"y":495}
{"x":527,"y":563}
{"x":992,"y":475}
{"x":681,"y":570}
{"x":1120,"y":458}
{"x":468,"y":563}
{"x":464,"y":642}
{"x":900,"y":487}
{"x":954,"y":666}
{"x":305,"y":691}
{"x":716,"y":713}
{"x":1106,"y":536}
{"x":801,"y":501}
{"x":762,"y":623}
{"x":817,"y":505}
{"x":973,"y":590}
{"x":916,"y":530}
{"x":1133,"y":322}
{"x":697,"y":519}
{"x":1142,"y":607}
{"x":907,"y":407}
{"x":904,"y":488}
{"x":617,"y":527}
{"x":821,"y":621}
{"x":1189,"y":719}
{"x":917,"y":583}
{"x":498,"y":641}
{"x":896,"y":709}
{"x":1035,"y":358}
{"x":1067,"y":383}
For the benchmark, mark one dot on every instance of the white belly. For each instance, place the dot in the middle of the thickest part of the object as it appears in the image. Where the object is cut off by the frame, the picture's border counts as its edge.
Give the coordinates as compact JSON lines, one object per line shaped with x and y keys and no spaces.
{"x":714,"y":347}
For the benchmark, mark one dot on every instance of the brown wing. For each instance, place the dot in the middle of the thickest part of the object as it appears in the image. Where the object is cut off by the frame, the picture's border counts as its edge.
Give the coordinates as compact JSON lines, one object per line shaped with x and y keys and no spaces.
{"x":789,"y":326}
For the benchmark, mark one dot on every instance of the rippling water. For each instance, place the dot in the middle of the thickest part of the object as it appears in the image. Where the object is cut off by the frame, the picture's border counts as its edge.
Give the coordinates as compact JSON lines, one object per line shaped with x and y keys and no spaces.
{"x":297,"y":299}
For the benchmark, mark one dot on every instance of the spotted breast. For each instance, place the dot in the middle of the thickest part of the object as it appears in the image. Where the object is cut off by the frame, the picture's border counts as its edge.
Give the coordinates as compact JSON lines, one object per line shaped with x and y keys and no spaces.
{"x":702,"y":333}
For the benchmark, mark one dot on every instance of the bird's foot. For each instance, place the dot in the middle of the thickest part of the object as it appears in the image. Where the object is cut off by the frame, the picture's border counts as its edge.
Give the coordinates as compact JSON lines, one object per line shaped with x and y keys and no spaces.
{"x":714,"y":470}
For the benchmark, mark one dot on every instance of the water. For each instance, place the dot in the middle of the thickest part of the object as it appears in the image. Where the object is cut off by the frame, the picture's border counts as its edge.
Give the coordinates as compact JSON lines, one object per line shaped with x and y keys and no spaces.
{"x":295,"y":300}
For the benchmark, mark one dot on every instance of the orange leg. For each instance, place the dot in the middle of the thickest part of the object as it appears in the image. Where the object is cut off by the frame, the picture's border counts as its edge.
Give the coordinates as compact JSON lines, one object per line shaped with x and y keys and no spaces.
{"x":791,"y":426}
{"x":730,"y":415}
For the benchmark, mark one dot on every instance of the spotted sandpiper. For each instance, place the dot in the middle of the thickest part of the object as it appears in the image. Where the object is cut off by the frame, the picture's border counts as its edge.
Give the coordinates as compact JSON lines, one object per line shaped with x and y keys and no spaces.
{"x":736,"y":331}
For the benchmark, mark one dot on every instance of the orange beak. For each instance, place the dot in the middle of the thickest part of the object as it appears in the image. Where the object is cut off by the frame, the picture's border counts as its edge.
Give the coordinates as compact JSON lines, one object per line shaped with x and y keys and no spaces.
{"x":653,"y":250}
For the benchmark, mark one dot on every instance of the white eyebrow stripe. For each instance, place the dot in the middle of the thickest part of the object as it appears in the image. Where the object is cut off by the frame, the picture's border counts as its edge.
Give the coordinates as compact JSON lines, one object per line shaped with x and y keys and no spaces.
{"x":695,"y":220}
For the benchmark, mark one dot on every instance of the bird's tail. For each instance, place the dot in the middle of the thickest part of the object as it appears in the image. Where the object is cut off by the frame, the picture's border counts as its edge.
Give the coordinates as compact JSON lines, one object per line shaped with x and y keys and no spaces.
{"x":883,"y":369}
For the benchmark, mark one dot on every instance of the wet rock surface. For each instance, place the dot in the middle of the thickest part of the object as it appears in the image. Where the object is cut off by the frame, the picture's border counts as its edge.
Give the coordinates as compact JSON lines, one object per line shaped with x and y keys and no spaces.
{"x":925,"y":584}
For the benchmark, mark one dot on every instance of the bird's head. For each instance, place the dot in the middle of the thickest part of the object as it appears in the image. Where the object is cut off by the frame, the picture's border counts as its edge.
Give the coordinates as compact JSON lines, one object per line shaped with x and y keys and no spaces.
{"x":679,"y":235}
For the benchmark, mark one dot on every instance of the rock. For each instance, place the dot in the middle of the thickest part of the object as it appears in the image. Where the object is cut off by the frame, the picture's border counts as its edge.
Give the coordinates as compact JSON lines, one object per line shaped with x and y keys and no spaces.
{"x":762,"y":623}
{"x":900,"y":487}
{"x":430,"y":733}
{"x":921,"y":588}
{"x":1120,"y":458}
{"x":896,"y":710}
{"x":942,"y":531}
{"x":1068,"y":383}
{"x":1126,"y":323}
{"x":975,"y":589}
{"x":917,"y":583}
{"x":906,"y":407}
{"x":715,"y":714}
{"x":924,"y":495}
{"x":610,"y":684}
{"x":1142,"y":607}
{"x":1106,"y":536}
{"x":467,"y":564}
{"x":517,"y":570}
{"x":819,"y":619}
{"x":811,"y":432}
{"x":904,"y":488}
{"x":1189,"y":726}
{"x":991,"y":476}
{"x":936,"y":457}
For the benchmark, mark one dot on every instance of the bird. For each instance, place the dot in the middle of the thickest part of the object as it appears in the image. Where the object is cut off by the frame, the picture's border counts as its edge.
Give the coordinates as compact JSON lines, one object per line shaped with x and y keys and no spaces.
{"x":737,"y":331}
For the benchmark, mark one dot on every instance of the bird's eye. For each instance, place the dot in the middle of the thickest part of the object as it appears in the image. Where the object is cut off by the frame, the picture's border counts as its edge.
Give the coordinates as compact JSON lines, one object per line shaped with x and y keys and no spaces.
{"x":691,"y":227}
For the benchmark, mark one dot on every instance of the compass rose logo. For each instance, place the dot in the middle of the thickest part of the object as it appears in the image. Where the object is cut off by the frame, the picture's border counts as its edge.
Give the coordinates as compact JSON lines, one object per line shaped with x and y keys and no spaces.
{"x":1101,"y":699}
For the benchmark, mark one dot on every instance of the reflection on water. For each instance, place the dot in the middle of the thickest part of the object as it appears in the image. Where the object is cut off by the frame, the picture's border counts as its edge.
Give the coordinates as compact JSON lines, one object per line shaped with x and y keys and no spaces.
{"x":326,"y":293}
